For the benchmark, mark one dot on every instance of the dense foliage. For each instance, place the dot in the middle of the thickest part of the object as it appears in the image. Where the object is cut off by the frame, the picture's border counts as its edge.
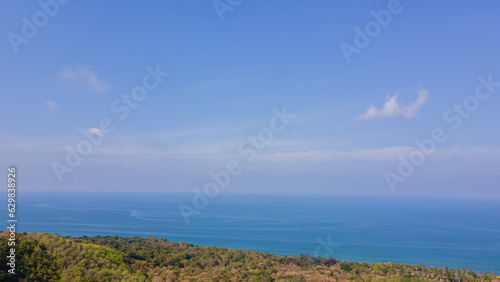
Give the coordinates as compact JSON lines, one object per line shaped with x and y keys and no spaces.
{"x":44,"y":257}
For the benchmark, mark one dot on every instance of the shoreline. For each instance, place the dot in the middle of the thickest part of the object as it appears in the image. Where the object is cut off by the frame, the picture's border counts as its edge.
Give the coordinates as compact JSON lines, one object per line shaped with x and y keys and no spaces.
{"x":328,"y":265}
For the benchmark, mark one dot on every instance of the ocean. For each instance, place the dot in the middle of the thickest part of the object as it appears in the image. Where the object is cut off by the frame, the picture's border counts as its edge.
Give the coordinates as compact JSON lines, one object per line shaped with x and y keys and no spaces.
{"x":433,"y":232}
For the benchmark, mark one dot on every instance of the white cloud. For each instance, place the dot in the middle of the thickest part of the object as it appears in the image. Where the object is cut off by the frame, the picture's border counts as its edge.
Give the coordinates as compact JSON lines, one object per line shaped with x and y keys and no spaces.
{"x":84,"y":75}
{"x":383,"y":154}
{"x":200,"y":146}
{"x":94,"y":130}
{"x":392,"y":109}
{"x":476,"y":154}
{"x":48,"y":104}
{"x":469,"y":153}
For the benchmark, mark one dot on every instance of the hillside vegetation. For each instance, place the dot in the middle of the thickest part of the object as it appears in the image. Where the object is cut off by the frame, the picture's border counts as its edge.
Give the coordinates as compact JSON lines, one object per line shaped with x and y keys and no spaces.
{"x":45,"y":257}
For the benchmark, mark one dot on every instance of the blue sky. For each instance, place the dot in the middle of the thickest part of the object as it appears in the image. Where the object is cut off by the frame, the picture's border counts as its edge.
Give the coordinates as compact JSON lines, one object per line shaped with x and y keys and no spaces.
{"x":229,"y":73}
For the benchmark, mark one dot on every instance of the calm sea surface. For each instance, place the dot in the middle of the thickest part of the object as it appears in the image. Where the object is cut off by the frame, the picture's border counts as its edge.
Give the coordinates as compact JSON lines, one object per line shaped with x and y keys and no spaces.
{"x":456,"y":233}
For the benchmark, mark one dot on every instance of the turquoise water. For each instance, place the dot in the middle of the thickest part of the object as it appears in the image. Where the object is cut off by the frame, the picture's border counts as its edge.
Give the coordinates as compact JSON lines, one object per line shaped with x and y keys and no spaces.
{"x":456,"y":233}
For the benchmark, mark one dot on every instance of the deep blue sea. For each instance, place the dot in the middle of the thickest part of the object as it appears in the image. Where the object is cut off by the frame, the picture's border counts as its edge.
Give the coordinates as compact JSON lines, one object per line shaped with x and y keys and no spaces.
{"x":455,"y":233}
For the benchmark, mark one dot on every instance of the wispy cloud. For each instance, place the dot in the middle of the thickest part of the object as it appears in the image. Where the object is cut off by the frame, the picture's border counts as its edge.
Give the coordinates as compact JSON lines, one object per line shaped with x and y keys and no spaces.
{"x":386,"y":154}
{"x":173,"y":144}
{"x":84,"y":75}
{"x":151,"y":148}
{"x":392,"y":109}
{"x":47,"y":106}
{"x":383,"y":154}
{"x":93,"y":130}
{"x":469,"y":153}
{"x":49,"y":103}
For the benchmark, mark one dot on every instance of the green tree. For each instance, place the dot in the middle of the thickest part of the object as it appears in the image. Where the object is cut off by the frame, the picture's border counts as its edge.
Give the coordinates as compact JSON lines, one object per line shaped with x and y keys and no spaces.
{"x":485,"y":276}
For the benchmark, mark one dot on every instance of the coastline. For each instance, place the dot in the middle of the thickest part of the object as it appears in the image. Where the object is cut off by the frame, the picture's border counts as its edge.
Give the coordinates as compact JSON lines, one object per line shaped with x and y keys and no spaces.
{"x":145,"y":259}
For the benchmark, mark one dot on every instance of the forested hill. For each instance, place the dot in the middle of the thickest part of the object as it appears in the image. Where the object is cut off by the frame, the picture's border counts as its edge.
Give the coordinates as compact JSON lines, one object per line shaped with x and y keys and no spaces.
{"x":44,"y":257}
